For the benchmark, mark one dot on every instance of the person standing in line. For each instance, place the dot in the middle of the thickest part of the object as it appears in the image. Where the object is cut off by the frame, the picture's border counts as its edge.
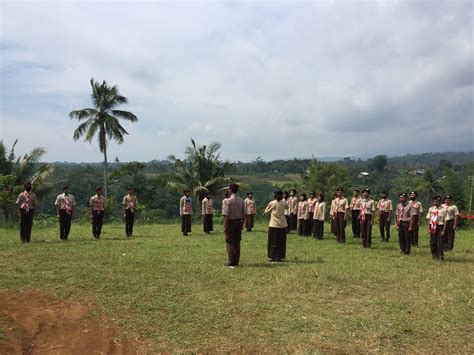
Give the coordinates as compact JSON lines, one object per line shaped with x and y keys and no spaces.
{"x":385,"y":208}
{"x":287,"y":212}
{"x":277,"y":227}
{"x":27,"y":204}
{"x":293,"y":208}
{"x":186,"y":211}
{"x":319,"y":213}
{"x":233,"y":224}
{"x":250,"y":210}
{"x":452,"y":219}
{"x":224,"y":201}
{"x":311,"y":203}
{"x":339,"y":213}
{"x":437,"y":228}
{"x":331,"y":215}
{"x":207,"y":212}
{"x":302,"y":214}
{"x":404,"y":222}
{"x":129,"y":203}
{"x":97,"y":203}
{"x":417,"y":209}
{"x":64,"y":205}
{"x":355,"y":213}
{"x":367,"y":218}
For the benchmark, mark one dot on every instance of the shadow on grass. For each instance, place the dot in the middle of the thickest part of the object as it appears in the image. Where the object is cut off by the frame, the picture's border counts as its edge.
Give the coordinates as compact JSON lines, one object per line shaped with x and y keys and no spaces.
{"x":285,"y":263}
{"x":457,"y":260}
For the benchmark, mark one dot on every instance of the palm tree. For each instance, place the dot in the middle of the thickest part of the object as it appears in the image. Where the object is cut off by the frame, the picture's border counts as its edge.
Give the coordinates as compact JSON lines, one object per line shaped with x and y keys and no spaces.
{"x":15,"y":171}
{"x":431,"y":186}
{"x":103,"y":119}
{"x":201,"y":171}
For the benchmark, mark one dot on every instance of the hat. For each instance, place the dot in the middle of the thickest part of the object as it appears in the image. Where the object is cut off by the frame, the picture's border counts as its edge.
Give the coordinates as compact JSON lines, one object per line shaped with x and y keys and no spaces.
{"x":414,"y":193}
{"x":249,"y":193}
{"x":312,"y":193}
{"x":448,"y":197}
{"x":355,"y":190}
{"x":436,"y":198}
{"x":366,"y":190}
{"x":403,"y":194}
{"x":340,"y":189}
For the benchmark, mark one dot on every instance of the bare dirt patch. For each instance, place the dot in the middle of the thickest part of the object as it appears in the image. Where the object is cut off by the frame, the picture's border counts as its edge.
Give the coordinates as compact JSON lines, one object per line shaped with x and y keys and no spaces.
{"x":39,"y":323}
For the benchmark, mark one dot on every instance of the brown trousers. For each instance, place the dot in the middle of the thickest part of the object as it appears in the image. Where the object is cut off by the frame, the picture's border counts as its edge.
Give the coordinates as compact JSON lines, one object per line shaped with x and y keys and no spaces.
{"x":207,"y":223}
{"x":276,"y":243}
{"x":448,"y":240}
{"x":384,"y":226}
{"x":415,"y":230}
{"x":436,"y":243}
{"x":233,"y":236}
{"x":366,"y":231}
{"x":186,"y":224}
{"x":249,"y":220}
{"x":26,"y":224}
{"x":340,"y":227}
{"x":404,"y":237}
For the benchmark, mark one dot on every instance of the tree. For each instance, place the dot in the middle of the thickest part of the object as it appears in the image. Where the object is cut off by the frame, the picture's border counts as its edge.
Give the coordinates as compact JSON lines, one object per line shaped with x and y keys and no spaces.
{"x":15,"y":171}
{"x":103,"y":119}
{"x":201,"y":171}
{"x":326,"y":177}
{"x":378,"y":163}
{"x":430,"y":186}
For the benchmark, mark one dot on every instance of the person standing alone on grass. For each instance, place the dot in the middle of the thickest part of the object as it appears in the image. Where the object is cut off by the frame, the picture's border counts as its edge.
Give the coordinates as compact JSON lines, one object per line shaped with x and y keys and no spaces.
{"x":250,"y":210}
{"x":339,"y":212}
{"x":234,"y":212}
{"x":319,"y":213}
{"x":385,"y":208}
{"x":130,"y":204}
{"x":366,"y":218}
{"x":302,"y":214}
{"x":64,"y":204}
{"x":417,"y":209}
{"x":404,"y":223}
{"x":185,"y":211}
{"x":27,"y":203}
{"x":452,"y":216}
{"x":355,"y":213}
{"x":207,"y":211}
{"x":293,"y":210}
{"x":437,"y":228}
{"x":277,"y":227}
{"x":97,"y":203}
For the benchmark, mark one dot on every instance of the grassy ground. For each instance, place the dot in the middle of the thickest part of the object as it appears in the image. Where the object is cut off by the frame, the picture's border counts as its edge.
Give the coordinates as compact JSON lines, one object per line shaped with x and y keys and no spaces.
{"x":327,"y":297}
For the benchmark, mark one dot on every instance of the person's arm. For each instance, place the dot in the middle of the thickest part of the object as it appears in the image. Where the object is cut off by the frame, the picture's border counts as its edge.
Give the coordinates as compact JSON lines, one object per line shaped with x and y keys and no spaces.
{"x":56,"y":205}
{"x":390,"y":210}
{"x":419,"y":213}
{"x":456,"y":218}
{"x":181,"y":205}
{"x":373,"y":213}
{"x":345,"y":210}
{"x":268,"y":209}
{"x":91,"y":202}
{"x":443,"y":232}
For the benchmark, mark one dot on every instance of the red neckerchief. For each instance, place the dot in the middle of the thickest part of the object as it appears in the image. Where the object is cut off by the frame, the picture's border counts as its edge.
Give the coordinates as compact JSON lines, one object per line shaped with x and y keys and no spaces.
{"x":434,"y":221}
{"x":67,"y":204}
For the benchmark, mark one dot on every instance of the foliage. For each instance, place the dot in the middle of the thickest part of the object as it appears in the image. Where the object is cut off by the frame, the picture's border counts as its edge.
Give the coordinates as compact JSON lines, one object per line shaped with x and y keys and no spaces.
{"x":201,"y":171}
{"x":326,"y":178}
{"x":15,"y":171}
{"x":103,"y":119}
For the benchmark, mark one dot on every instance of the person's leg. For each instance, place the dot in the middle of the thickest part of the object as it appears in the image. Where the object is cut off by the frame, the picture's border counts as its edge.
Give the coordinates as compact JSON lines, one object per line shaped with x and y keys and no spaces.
{"x":322,"y":230}
{"x":408,"y":237}
{"x":414,"y":233}
{"x":433,"y":246}
{"x":272,"y":244}
{"x":387,"y":227}
{"x":23,"y":226}
{"x":29,"y":225}
{"x":382,"y":225}
{"x":62,"y":228}
{"x":363,"y":233}
{"x":439,"y":240}
{"x":100,"y":222}
{"x":401,"y":237}
{"x":67,"y":226}
{"x":282,"y":244}
{"x":369,"y":231}
{"x":342,"y":227}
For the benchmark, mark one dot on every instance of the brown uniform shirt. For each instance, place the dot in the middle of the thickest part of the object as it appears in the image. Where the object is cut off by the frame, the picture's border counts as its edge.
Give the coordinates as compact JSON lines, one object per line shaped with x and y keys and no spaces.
{"x":451,"y":211}
{"x":303,"y":210}
{"x":367,"y":206}
{"x":224,"y":201}
{"x":339,"y":205}
{"x":65,"y":202}
{"x":234,"y":207}
{"x":130,"y":202}
{"x":438,"y":218}
{"x":385,"y":205}
{"x":293,"y":204}
{"x":355,"y":203}
{"x":185,"y":205}
{"x":404,"y":212}
{"x":206,"y":206}
{"x":417,"y":209}
{"x":250,"y":207}
{"x":27,"y":200}
{"x":97,"y":203}
{"x":319,"y":211}
{"x":277,"y":216}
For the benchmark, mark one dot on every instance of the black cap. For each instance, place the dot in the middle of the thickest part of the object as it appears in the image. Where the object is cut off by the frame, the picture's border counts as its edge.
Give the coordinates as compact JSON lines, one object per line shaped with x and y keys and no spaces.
{"x":436,"y":198}
{"x":355,"y":190}
{"x":366,"y":190}
{"x":249,"y":193}
{"x":448,"y":197}
{"x":404,"y":194}
{"x":414,"y":192}
{"x":312,"y":193}
{"x":340,"y":189}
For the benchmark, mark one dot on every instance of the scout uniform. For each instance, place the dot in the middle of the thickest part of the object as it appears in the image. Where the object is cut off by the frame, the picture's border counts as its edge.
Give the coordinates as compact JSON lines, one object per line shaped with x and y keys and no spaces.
{"x":224,"y":201}
{"x":404,"y":216}
{"x":207,"y":211}
{"x":302,"y":216}
{"x":338,"y":210}
{"x":318,"y":216}
{"x":185,"y":211}
{"x":311,"y":203}
{"x":385,"y":208}
{"x":355,"y":213}
{"x":417,"y":209}
{"x":97,"y":203}
{"x":452,"y":215}
{"x":293,"y":209}
{"x":130,"y":204}
{"x":234,"y":212}
{"x":27,"y":203}
{"x":436,"y":216}
{"x":287,"y":212}
{"x":65,"y":203}
{"x":250,"y":210}
{"x":366,"y":219}
{"x":277,"y":229}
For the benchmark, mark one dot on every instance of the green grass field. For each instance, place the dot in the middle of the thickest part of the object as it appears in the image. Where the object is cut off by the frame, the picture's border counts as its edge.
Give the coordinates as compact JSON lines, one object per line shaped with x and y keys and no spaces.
{"x":326,"y":297}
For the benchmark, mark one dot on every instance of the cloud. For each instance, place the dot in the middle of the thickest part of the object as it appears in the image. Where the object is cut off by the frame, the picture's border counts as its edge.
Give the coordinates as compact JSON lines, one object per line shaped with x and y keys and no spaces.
{"x":277,"y":80}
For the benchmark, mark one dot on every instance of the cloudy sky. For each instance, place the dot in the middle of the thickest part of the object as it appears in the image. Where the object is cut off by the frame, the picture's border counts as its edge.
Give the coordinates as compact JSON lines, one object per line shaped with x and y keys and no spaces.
{"x":270,"y":79}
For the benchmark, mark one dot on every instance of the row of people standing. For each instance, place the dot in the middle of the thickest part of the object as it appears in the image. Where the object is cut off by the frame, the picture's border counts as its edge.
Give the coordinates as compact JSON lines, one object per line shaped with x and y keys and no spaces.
{"x":65,"y":205}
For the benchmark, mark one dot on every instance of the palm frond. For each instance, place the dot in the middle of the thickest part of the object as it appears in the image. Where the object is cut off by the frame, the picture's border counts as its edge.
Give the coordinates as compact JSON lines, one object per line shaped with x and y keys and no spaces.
{"x":125,"y":115}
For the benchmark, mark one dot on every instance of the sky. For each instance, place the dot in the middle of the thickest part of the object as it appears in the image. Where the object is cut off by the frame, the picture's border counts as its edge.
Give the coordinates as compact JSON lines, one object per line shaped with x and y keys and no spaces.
{"x":276,"y":80}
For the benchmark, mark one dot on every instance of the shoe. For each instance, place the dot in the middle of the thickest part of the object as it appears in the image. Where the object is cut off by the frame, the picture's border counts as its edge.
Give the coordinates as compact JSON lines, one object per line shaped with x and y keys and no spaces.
{"x":227,"y":265}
